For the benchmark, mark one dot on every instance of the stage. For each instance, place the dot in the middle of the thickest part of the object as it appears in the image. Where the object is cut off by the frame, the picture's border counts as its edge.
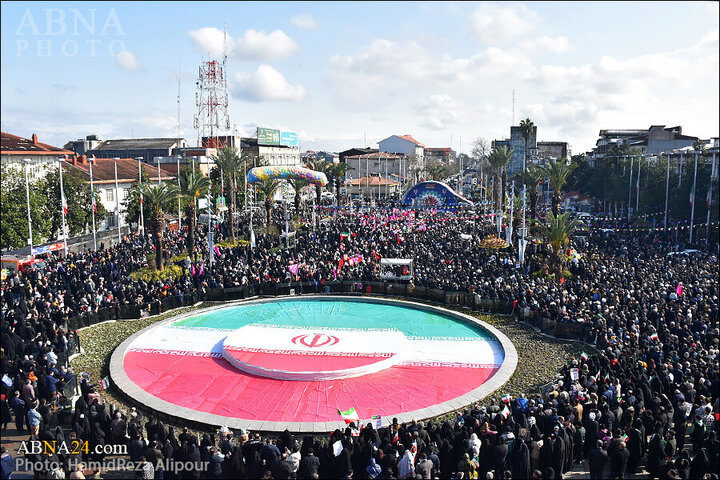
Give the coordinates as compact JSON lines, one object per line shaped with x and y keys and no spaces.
{"x":292,"y":362}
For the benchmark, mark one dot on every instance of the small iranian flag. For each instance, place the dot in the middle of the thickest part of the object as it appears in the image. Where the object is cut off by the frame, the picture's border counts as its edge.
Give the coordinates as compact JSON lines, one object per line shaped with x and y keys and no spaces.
{"x":584,"y":356}
{"x":654,"y":336}
{"x":505,"y":412}
{"x":506,"y":398}
{"x":93,"y":202}
{"x":349,"y":415}
{"x":105,"y":383}
{"x":396,"y":437}
{"x":64,"y":203}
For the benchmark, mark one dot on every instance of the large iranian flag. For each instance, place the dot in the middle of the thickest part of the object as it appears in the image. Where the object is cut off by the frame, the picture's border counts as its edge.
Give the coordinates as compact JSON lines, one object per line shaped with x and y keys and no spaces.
{"x":349,"y":415}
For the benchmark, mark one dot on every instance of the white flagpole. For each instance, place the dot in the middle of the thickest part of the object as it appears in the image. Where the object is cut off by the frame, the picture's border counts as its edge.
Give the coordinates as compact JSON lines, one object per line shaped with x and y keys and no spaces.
{"x":667,"y":191}
{"x":709,"y":204}
{"x":117,"y":201}
{"x":92,"y":194}
{"x":63,"y":204}
{"x":141,"y":226}
{"x":632,"y":160}
{"x":26,"y":161}
{"x":694,"y":193}
{"x":637,"y":192}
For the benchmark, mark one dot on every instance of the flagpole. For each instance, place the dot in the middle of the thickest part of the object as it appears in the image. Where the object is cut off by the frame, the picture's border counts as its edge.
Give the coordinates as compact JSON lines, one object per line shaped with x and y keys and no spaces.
{"x":117,"y":200}
{"x":709,"y":202}
{"x":637,"y":189}
{"x":179,"y":195}
{"x":141,"y":226}
{"x":692,"y":214}
{"x":63,"y":204}
{"x":91,"y":160}
{"x":667,"y":193}
{"x":632,"y":160}
{"x":26,"y":161}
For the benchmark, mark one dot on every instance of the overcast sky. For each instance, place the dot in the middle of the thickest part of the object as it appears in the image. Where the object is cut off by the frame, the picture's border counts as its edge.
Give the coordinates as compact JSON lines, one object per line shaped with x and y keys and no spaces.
{"x":337,"y":73}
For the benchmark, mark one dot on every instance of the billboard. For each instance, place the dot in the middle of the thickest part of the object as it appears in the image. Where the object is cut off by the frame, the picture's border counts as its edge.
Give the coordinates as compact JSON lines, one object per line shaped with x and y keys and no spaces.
{"x":289,"y":139}
{"x":268,"y":136}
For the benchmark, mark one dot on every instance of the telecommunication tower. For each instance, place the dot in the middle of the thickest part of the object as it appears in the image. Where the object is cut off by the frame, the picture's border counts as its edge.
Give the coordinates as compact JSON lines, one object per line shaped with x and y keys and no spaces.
{"x":211,"y":100}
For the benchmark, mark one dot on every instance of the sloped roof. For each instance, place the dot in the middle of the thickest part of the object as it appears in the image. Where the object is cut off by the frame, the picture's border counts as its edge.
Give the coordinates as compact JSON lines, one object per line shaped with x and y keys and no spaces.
{"x":378,"y":155}
{"x":104,"y":170}
{"x":138,"y":143}
{"x":13,"y":144}
{"x":409,"y":138}
{"x":371,"y":182}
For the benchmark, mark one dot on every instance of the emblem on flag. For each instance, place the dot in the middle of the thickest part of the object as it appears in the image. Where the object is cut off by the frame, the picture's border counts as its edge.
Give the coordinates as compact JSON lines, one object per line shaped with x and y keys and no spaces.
{"x":105,"y":383}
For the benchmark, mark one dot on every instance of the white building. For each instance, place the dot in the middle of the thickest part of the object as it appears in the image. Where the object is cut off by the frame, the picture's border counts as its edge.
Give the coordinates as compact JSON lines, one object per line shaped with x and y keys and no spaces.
{"x":43,"y":157}
{"x":388,"y":165}
{"x":404,"y":144}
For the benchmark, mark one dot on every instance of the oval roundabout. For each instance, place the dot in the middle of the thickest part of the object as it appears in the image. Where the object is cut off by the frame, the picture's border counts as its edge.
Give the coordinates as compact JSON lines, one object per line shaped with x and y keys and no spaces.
{"x":293,"y":362}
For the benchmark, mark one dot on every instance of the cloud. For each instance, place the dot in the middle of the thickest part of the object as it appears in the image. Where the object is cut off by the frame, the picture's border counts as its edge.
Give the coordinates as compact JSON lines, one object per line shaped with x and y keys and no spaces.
{"x":128,"y":61}
{"x":305,"y":21}
{"x":266,"y":85}
{"x":253,"y":45}
{"x":544,"y":43}
{"x":496,"y":25}
{"x":438,"y":111}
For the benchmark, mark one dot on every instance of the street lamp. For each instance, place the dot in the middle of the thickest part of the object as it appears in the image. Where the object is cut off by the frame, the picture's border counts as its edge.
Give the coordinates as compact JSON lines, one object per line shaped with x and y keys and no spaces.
{"x":117,"y":201}
{"x":26,"y":161}
{"x":141,"y":226}
{"x":179,"y":206}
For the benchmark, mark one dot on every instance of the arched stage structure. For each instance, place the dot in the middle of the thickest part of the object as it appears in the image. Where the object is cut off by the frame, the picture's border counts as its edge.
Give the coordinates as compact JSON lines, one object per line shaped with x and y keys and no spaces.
{"x":432,"y":194}
{"x":292,"y":362}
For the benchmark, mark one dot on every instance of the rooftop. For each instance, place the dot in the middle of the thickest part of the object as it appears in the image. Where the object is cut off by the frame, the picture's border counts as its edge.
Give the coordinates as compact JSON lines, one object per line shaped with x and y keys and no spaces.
{"x":12,"y":144}
{"x":371,"y":182}
{"x":127,"y":169}
{"x":378,"y":155}
{"x":138,"y":143}
{"x":409,"y":138}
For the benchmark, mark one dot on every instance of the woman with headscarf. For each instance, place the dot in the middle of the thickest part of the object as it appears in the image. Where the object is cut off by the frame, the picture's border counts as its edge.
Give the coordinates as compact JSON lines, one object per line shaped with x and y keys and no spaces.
{"x":635,"y":446}
{"x":521,"y":462}
{"x":474,"y":445}
{"x":656,"y":455}
{"x":700,"y":465}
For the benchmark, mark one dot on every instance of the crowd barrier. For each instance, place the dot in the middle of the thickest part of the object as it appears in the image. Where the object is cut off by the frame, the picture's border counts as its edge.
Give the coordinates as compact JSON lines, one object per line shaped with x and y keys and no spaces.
{"x":564,"y":330}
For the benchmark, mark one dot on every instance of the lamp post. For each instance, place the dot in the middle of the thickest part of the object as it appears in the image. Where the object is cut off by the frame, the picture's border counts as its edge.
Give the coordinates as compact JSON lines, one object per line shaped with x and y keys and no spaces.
{"x":63,"y":203}
{"x":141,"y":225}
{"x":158,"y":163}
{"x":632,"y":160}
{"x":692,"y":213}
{"x":94,"y":205}
{"x":26,"y":162}
{"x":179,"y":206}
{"x":117,"y":201}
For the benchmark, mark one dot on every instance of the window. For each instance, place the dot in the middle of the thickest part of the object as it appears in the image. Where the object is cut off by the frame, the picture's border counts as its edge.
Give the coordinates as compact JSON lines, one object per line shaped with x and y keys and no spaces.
{"x":126,"y":193}
{"x":109,"y":195}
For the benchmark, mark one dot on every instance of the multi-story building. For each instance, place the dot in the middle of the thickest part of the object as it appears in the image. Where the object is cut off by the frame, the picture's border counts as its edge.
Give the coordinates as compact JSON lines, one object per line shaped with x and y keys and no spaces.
{"x":651,"y":141}
{"x":83,"y":145}
{"x":389,"y":165}
{"x":373,"y":186}
{"x":404,"y":144}
{"x":355,"y":151}
{"x":516,"y":143}
{"x":273,"y":154}
{"x":553,"y":150}
{"x":444,"y":155}
{"x":311,"y":155}
{"x":147,"y":148}
{"x":42,"y":157}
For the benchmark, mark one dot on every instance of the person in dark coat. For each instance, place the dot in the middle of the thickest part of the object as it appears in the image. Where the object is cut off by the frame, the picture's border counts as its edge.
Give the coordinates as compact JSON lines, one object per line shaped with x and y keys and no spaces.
{"x":700,"y":465}
{"x":598,"y":460}
{"x":521,"y":462}
{"x":500,"y":453}
{"x":656,"y":455}
{"x":636,"y":447}
{"x":309,"y":466}
{"x":619,"y":461}
{"x":558,"y":449}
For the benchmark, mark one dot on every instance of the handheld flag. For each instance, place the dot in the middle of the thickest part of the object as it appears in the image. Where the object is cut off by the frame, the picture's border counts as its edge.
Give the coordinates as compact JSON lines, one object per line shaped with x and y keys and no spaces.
{"x":105,"y":383}
{"x":349,"y":415}
{"x":678,"y":289}
{"x":506,"y":398}
{"x":584,"y":356}
{"x":505,"y":412}
{"x":654,"y":336}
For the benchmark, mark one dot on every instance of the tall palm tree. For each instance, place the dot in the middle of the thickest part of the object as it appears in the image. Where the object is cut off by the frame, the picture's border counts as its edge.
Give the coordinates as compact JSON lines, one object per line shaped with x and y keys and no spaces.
{"x":159,"y":198}
{"x":297,"y":185}
{"x":268,"y":188}
{"x":498,"y":159}
{"x":435,"y":171}
{"x":558,"y":172}
{"x":338,"y":171}
{"x":228,"y":161}
{"x":192,"y":187}
{"x":558,"y":230}
{"x":319,"y":166}
{"x":532,"y":178}
{"x":526,"y":128}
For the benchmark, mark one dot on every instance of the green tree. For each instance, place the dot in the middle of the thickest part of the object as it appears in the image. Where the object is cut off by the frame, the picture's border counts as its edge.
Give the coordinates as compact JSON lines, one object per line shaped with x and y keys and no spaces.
{"x":338,"y":171}
{"x":297,"y":186}
{"x":557,"y":172}
{"x":77,"y":197}
{"x":319,"y":166}
{"x":160,"y":198}
{"x":132,"y":203}
{"x":558,"y":231}
{"x":192,"y":187}
{"x":435,"y":171}
{"x":14,"y":231}
{"x":532,"y":177}
{"x":228,"y":161}
{"x":498,"y":159}
{"x":526,"y":128}
{"x":267,"y":189}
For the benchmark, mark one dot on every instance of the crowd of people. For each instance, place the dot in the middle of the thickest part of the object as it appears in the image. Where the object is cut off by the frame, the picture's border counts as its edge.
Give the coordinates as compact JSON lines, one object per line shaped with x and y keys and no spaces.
{"x":649,"y":398}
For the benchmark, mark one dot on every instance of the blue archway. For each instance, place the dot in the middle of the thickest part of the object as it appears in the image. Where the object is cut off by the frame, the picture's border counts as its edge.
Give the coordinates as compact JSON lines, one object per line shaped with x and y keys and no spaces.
{"x":434,"y":194}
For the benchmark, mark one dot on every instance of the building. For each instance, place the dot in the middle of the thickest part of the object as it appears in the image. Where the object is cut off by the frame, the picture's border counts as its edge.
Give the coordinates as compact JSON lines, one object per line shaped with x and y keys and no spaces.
{"x":273,"y":154}
{"x":444,"y":155}
{"x":311,"y":155}
{"x":147,"y":148}
{"x":355,"y":151}
{"x":404,"y":144}
{"x":553,"y":150}
{"x":652,"y":141}
{"x":516,"y":143}
{"x":83,"y":145}
{"x":389,"y":165}
{"x":43,"y":157}
{"x":372,"y":187}
{"x":104,"y":182}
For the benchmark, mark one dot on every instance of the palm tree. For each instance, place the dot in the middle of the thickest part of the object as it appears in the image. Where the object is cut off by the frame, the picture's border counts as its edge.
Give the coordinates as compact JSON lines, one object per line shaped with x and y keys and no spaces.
{"x":297,"y":185}
{"x":268,"y":189}
{"x":318,"y":166}
{"x":558,"y":172}
{"x":532,"y":178}
{"x":192,"y":187}
{"x":159,"y":197}
{"x":228,"y":161}
{"x":338,"y":171}
{"x":498,"y":159}
{"x":435,"y":171}
{"x":558,"y":230}
{"x":526,"y":128}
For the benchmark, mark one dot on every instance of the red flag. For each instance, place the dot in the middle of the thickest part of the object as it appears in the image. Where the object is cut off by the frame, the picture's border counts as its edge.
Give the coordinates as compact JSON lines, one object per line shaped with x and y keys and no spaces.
{"x":377,"y":257}
{"x":678,"y":290}
{"x":562,"y":281}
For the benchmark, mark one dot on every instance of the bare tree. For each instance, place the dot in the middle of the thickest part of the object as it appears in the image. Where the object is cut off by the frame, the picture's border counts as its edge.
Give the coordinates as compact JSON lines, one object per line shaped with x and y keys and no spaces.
{"x":481,"y":149}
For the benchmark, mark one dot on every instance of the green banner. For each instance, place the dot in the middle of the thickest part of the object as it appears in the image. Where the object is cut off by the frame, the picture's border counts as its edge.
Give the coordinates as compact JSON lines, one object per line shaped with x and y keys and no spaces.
{"x":268,"y":136}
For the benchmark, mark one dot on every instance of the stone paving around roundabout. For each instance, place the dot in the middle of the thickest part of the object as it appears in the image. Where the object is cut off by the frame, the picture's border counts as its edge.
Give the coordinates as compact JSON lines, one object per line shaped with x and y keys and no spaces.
{"x":291,"y":362}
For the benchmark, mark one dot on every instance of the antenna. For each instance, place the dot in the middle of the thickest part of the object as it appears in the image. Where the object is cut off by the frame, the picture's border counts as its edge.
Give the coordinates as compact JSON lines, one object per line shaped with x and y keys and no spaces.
{"x":513,"y":122}
{"x":178,"y":101}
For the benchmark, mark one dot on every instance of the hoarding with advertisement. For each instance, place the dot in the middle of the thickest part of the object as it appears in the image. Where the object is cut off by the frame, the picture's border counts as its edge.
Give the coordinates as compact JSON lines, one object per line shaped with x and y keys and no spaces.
{"x":268,"y":136}
{"x":289,"y":139}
